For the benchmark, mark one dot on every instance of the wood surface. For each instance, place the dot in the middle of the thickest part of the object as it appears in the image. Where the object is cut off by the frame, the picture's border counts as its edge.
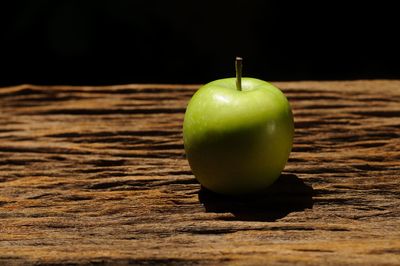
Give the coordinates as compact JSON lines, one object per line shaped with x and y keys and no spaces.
{"x":98,"y":176}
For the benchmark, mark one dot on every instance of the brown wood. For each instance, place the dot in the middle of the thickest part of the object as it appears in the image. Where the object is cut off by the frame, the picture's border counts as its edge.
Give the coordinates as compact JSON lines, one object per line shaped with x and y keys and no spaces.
{"x":97,"y":175}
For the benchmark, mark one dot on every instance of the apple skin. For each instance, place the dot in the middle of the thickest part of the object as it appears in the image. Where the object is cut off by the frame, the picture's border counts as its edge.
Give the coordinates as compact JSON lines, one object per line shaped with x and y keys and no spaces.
{"x":238,"y":142}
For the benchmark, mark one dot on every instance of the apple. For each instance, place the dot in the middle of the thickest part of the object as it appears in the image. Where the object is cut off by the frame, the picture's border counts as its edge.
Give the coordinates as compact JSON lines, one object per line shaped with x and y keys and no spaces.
{"x":238,"y":134}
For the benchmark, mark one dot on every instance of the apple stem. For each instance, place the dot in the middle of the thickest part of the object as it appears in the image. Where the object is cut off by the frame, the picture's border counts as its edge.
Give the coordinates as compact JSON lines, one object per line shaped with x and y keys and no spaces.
{"x":238,"y":67}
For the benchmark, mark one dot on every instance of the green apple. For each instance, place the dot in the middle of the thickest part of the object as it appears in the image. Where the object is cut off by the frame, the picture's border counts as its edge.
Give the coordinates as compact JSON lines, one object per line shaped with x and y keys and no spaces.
{"x":238,"y":134}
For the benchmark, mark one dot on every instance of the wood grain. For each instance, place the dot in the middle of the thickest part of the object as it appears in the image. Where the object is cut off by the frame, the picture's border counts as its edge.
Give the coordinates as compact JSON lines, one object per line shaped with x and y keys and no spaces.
{"x":97,"y":175}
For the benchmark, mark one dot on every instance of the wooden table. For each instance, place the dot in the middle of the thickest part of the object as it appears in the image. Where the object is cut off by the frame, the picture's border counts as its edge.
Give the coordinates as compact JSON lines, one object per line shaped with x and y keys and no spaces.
{"x":98,"y":175}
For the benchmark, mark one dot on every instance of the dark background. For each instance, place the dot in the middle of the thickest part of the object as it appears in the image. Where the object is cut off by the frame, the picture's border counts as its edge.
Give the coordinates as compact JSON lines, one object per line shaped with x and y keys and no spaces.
{"x":117,"y":41}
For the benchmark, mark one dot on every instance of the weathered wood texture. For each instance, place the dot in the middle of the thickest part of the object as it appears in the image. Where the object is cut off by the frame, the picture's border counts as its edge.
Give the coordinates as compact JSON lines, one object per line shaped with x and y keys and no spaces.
{"x":97,"y":175}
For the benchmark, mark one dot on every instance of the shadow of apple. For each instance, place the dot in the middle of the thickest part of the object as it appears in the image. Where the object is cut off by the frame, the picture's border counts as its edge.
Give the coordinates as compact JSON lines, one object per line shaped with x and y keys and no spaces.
{"x":288,"y":194}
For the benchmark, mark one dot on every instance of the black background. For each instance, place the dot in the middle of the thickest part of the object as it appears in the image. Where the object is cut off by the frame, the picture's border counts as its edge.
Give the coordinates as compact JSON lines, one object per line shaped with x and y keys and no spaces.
{"x":136,"y":41}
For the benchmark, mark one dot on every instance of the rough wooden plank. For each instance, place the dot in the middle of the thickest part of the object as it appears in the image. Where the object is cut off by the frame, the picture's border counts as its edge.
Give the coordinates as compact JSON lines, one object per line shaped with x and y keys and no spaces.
{"x":97,"y":175}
